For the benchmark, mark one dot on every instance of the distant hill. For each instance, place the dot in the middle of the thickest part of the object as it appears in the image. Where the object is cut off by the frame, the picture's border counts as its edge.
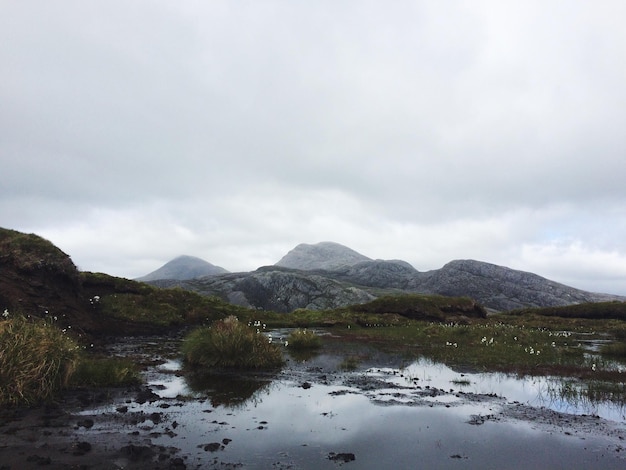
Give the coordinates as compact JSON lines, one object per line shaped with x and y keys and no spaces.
{"x":324,"y":255}
{"x":183,"y":267}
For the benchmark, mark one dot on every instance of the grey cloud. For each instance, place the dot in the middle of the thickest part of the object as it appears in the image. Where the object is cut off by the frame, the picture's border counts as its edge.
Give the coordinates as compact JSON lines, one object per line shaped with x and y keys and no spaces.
{"x":256,"y":126}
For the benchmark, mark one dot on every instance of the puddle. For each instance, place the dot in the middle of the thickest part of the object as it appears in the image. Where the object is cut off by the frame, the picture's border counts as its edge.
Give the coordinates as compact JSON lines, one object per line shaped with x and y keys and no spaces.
{"x":313,"y":414}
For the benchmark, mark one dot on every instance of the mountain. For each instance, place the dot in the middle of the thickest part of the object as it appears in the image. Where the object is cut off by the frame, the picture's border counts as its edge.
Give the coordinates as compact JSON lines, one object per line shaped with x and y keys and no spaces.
{"x":183,"y":267}
{"x":501,"y":288}
{"x":39,"y":279}
{"x":324,"y":255}
{"x":329,"y":275}
{"x":275,"y":288}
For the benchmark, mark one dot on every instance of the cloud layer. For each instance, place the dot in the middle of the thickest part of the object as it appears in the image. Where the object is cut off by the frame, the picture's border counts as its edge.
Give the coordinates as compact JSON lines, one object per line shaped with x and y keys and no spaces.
{"x":132,"y":132}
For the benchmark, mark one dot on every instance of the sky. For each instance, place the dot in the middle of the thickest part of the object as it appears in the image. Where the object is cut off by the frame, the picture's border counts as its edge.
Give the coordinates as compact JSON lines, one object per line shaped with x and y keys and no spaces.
{"x":133,"y":131}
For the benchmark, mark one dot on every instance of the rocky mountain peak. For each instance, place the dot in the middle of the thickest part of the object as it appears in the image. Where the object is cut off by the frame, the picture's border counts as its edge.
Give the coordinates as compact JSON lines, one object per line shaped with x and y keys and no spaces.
{"x":184,"y":267}
{"x":323,"y":255}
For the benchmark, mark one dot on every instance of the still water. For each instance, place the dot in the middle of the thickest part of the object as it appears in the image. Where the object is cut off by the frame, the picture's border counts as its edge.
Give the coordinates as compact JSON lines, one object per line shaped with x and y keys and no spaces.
{"x":385,"y":414}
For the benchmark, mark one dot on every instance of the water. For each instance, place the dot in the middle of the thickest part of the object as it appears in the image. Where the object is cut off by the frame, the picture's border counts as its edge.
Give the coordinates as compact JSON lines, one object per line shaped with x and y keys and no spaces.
{"x":385,"y":415}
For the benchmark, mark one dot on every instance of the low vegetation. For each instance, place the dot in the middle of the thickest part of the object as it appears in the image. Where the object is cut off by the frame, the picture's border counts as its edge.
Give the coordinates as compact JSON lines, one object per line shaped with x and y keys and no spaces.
{"x":229,"y":343}
{"x":140,"y":303}
{"x":596,"y":311}
{"x":423,"y":307}
{"x":303,"y":339}
{"x":105,"y":372}
{"x":28,"y":251}
{"x":38,"y":360}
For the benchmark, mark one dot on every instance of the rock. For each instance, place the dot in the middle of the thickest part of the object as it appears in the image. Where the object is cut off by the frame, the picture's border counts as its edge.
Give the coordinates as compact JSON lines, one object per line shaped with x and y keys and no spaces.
{"x":86,"y":423}
{"x":342,"y":457}
{"x":212,"y":447}
{"x":81,"y":448}
{"x":136,"y":453}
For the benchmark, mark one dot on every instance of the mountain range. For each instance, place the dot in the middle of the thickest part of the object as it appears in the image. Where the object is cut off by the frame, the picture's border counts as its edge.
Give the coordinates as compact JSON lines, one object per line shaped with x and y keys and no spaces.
{"x":330,"y":275}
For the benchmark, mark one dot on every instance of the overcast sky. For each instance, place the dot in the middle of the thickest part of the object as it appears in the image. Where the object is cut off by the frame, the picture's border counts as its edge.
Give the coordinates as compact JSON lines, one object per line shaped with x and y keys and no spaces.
{"x":132,"y":132}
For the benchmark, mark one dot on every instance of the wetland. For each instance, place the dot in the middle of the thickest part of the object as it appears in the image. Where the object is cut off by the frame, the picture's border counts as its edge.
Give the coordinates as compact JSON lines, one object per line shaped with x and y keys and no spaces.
{"x":355,"y":402}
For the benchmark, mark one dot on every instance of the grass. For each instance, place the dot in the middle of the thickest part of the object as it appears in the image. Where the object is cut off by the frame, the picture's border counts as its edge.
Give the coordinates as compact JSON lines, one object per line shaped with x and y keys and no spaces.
{"x":461,"y":382}
{"x":36,"y":360}
{"x":481,"y":346}
{"x":105,"y":372}
{"x":616,"y":350}
{"x":229,"y":343}
{"x":597,"y":311}
{"x":303,"y":339}
{"x":28,"y":251}
{"x":349,"y":363}
{"x":423,"y":307}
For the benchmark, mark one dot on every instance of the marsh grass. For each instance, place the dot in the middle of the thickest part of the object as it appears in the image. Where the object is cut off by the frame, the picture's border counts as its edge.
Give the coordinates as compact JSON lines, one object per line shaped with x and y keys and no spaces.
{"x":303,"y":339}
{"x":590,"y":391}
{"x":105,"y":372}
{"x":36,"y":360}
{"x":461,"y":382}
{"x":479,"y":346}
{"x":616,"y":350}
{"x":350,"y":363}
{"x":230,"y":344}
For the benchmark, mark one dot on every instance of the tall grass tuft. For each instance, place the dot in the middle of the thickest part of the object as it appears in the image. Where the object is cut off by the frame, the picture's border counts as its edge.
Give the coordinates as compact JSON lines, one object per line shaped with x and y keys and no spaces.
{"x":230,"y":344}
{"x":36,"y":360}
{"x":302,"y":339}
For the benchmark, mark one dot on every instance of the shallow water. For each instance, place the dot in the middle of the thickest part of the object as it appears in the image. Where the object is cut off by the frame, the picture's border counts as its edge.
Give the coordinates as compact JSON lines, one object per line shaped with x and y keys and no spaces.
{"x":419,"y":415}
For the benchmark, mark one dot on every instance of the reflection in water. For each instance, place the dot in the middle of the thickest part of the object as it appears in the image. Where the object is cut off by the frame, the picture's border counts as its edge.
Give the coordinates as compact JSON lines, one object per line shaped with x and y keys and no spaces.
{"x":560,"y":394}
{"x":230,"y":390}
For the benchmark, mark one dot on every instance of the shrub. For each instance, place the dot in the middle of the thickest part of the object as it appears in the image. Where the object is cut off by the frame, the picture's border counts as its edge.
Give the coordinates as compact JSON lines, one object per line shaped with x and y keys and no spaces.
{"x":230,"y":344}
{"x":36,"y":360}
{"x":303,"y":339}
